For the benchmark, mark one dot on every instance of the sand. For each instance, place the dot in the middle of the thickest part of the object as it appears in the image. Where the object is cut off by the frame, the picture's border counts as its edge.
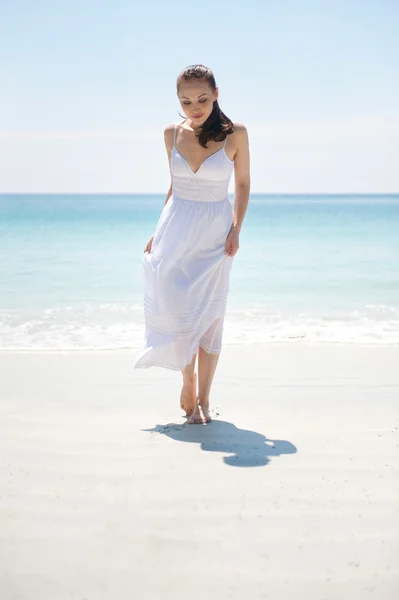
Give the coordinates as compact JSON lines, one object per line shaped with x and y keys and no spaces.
{"x":291,"y":492}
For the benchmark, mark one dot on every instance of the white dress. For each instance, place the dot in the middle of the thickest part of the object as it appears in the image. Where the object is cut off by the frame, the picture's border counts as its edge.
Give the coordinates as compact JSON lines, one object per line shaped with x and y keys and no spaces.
{"x":186,"y":274}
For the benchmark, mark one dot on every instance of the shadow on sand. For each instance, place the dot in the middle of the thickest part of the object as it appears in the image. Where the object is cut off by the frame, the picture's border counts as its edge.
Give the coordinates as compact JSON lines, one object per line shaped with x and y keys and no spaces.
{"x":245,"y":448}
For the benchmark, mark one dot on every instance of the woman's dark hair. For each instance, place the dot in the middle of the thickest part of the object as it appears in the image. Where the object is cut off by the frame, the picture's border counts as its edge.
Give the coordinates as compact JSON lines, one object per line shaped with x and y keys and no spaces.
{"x":218,"y":125}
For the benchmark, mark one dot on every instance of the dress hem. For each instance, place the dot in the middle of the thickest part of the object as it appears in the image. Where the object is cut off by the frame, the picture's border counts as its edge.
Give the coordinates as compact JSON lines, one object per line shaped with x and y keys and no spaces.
{"x":174,"y":367}
{"x":208,"y":350}
{"x":155,"y":364}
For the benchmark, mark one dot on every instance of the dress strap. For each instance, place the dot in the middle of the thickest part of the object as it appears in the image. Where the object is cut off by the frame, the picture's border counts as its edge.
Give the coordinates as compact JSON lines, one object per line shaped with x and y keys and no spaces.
{"x":174,"y":137}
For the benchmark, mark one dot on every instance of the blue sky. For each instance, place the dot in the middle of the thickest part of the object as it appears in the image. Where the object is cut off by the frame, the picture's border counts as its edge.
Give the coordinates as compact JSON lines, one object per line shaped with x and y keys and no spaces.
{"x":88,"y":87}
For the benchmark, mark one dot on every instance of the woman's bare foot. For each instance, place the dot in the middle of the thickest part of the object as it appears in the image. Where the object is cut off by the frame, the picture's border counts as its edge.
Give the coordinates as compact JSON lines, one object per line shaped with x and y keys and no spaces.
{"x":200,"y":415}
{"x":188,"y":396}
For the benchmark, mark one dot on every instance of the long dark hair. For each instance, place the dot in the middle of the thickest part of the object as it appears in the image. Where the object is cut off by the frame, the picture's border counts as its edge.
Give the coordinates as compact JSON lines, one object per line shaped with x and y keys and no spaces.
{"x":218,"y":125}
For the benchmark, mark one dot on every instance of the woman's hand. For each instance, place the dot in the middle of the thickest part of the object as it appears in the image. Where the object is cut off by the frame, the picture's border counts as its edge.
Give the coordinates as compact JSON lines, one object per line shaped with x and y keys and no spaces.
{"x":232,"y":242}
{"x":149,"y":245}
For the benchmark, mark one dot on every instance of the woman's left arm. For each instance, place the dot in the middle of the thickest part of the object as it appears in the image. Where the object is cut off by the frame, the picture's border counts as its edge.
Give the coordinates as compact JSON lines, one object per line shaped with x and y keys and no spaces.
{"x":242,"y":187}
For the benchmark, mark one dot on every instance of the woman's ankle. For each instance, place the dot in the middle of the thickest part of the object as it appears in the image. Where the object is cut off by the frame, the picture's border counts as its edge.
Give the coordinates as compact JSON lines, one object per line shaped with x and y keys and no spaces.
{"x":188,"y":378}
{"x":203,"y":402}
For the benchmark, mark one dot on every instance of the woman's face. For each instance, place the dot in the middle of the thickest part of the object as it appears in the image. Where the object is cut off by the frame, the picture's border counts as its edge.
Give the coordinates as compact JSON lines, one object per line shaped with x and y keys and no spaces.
{"x":196,"y":99}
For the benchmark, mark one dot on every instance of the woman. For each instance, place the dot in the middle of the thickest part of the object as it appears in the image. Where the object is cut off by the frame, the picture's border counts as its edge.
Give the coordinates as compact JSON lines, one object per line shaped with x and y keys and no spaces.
{"x":187,"y":261}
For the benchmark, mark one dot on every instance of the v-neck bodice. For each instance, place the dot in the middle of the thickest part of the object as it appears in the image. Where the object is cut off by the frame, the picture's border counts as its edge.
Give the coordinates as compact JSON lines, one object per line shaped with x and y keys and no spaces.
{"x":209,"y":183}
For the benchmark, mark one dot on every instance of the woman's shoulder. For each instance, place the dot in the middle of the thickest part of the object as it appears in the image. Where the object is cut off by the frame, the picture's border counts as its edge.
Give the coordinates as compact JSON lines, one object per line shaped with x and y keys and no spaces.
{"x":172,"y":126}
{"x":169,"y":132}
{"x":239,"y":136}
{"x":169,"y":128}
{"x":239,"y":127}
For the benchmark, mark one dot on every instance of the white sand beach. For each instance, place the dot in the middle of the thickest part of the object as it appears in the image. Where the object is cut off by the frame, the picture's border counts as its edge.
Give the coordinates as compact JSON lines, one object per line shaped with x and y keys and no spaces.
{"x":291,"y":492}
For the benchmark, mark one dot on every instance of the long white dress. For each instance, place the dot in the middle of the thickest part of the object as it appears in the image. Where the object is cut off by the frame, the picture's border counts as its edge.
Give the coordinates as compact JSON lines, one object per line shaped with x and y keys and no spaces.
{"x":186,"y":274}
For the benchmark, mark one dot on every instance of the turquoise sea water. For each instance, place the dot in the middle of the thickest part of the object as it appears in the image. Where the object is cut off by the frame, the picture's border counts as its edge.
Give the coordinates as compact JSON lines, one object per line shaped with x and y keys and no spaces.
{"x":310,"y":268}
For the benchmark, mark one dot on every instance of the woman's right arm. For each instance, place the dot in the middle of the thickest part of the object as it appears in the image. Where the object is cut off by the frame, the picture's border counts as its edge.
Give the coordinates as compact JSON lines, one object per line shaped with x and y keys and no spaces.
{"x":168,"y":137}
{"x":168,"y":195}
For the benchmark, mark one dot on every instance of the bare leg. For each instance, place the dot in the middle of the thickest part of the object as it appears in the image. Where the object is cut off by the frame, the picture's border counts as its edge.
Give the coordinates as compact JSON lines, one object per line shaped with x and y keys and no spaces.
{"x":188,"y":396}
{"x":206,"y":370}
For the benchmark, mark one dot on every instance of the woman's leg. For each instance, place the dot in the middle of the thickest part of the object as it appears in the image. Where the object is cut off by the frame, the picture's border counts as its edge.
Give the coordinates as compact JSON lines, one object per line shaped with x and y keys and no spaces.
{"x":188,"y":396}
{"x":206,"y":370}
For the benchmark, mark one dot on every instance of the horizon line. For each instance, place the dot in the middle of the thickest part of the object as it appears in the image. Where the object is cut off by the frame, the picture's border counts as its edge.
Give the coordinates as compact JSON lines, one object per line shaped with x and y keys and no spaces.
{"x":230,"y":194}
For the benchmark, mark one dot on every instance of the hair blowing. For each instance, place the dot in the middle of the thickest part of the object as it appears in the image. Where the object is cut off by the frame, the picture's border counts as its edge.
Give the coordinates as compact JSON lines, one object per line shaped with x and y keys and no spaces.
{"x":218,"y":125}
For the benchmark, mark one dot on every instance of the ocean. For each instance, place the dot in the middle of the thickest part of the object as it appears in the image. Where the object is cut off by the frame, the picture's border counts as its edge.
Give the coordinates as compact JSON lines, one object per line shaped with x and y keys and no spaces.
{"x":310,"y":268}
